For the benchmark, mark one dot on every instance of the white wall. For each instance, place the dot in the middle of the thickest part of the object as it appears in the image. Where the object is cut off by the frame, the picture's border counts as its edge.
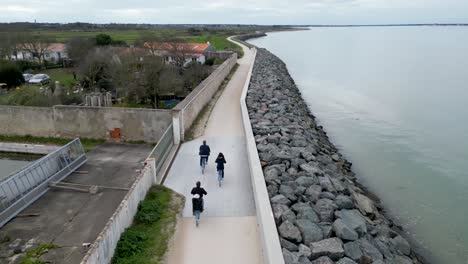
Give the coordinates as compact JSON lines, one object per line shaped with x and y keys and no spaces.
{"x":271,"y":247}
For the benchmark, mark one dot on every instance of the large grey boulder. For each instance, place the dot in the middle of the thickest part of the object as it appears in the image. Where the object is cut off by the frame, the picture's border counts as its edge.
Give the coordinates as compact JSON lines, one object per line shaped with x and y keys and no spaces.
{"x":288,"y":192}
{"x":271,"y":174}
{"x":330,"y":247}
{"x":354,"y":220}
{"x":326,"y":229}
{"x":289,"y":231}
{"x":326,"y":184}
{"x":290,"y":257}
{"x":325,"y":208}
{"x":344,"y":202}
{"x":323,"y":260}
{"x":288,"y":216}
{"x":401,"y":245}
{"x":364,"y":204}
{"x":306,"y":181}
{"x":288,"y":245}
{"x":304,"y":211}
{"x":310,"y":231}
{"x":346,"y":261}
{"x":311,"y":169}
{"x":353,"y":250}
{"x":304,"y":250}
{"x":278,"y":211}
{"x":280,"y":199}
{"x":343,"y":231}
{"x":370,"y":250}
{"x":313,"y":193}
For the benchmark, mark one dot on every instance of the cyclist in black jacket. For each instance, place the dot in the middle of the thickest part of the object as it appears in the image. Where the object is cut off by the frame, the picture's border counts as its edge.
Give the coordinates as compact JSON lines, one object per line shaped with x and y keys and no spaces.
{"x":204,"y":152}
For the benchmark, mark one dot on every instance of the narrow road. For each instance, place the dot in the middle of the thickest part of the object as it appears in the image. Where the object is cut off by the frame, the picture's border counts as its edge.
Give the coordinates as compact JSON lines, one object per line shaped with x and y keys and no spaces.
{"x":228,"y":227}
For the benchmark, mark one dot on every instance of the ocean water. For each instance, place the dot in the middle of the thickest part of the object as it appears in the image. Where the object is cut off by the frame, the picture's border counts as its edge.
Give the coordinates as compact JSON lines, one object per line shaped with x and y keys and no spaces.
{"x":394,"y":100}
{"x":9,"y":166}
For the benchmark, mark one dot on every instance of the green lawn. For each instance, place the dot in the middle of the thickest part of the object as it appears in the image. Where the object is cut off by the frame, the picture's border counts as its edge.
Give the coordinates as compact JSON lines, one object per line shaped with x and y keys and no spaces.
{"x":146,"y":241}
{"x":63,"y":75}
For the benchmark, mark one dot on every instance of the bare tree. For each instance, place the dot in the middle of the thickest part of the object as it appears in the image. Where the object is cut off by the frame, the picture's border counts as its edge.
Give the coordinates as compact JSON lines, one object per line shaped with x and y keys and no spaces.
{"x":8,"y":45}
{"x":96,"y":69}
{"x":37,"y":45}
{"x":79,"y":47}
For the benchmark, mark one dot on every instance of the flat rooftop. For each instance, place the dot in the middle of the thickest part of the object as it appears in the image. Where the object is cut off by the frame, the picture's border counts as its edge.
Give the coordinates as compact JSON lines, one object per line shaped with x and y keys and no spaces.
{"x":69,"y":218}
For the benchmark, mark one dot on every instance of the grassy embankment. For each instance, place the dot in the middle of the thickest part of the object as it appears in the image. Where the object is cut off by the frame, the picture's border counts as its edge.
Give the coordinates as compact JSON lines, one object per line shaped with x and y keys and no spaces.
{"x":146,"y":241}
{"x":88,"y":143}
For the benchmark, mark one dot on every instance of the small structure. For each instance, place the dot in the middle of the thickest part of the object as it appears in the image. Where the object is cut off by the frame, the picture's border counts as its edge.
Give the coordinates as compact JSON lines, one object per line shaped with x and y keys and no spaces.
{"x":98,"y":99}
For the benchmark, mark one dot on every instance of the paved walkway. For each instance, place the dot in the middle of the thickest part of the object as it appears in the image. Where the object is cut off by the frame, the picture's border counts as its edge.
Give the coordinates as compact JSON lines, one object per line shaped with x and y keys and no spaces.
{"x":228,"y":227}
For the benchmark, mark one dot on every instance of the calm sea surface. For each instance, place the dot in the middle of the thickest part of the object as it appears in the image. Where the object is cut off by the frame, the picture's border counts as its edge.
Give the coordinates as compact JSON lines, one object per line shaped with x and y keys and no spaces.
{"x":395,"y":101}
{"x":10,"y":166}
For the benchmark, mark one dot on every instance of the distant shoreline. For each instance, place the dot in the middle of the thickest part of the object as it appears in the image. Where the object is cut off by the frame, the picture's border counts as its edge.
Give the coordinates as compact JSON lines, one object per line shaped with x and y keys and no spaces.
{"x":390,"y":25}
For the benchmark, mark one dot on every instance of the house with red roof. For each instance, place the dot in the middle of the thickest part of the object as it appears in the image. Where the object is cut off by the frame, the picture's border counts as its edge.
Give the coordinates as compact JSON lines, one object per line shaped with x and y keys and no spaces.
{"x":180,"y":53}
{"x":54,"y":52}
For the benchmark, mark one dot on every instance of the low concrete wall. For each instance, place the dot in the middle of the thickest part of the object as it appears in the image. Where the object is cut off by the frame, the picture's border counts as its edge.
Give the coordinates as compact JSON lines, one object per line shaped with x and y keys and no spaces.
{"x":271,"y":247}
{"x":97,"y":122}
{"x":21,"y":121}
{"x":27,"y":148}
{"x":187,"y":111}
{"x":89,"y":122}
{"x":103,"y":248}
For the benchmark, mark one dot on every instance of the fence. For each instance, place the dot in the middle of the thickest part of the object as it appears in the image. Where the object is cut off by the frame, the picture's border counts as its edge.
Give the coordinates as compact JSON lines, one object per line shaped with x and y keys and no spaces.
{"x":162,"y":150}
{"x":22,"y":188}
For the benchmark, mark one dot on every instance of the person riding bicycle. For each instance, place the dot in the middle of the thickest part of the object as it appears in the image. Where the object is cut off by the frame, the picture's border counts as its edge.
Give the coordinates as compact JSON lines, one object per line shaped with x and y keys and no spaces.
{"x":200,"y":191}
{"x":220,"y":161}
{"x":204,"y":153}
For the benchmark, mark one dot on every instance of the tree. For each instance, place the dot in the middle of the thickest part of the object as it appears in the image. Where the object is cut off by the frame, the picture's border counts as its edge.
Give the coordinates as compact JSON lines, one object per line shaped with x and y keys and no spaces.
{"x":8,"y":45}
{"x":96,"y":69}
{"x":79,"y":47}
{"x":103,"y":40}
{"x":37,"y":45}
{"x":10,"y":74}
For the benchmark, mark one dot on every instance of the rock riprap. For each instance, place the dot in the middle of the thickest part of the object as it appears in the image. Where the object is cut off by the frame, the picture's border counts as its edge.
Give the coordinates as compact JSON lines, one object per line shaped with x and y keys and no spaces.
{"x":322,"y":214}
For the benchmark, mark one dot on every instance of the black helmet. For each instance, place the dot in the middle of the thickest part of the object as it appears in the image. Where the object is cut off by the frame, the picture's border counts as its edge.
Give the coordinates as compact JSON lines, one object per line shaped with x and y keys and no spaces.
{"x":198,"y":184}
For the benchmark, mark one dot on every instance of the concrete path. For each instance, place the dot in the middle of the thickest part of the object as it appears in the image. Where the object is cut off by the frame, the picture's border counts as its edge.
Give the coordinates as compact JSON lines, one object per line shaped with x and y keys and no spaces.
{"x":228,"y":227}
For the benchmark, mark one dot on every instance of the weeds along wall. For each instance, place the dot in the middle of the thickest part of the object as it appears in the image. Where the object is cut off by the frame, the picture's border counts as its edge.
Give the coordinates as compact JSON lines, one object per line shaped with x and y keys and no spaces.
{"x":89,"y":122}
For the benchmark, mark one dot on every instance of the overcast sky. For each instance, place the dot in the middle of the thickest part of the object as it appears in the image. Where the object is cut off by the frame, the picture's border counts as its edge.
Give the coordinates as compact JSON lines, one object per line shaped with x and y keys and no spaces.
{"x":236,"y":11}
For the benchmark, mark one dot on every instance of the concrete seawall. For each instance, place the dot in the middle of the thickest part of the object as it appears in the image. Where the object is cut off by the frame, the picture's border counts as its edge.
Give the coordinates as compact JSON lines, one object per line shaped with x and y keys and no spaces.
{"x":271,"y":248}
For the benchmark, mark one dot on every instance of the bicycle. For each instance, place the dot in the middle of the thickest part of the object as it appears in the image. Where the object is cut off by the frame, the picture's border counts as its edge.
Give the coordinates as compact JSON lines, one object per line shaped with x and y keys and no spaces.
{"x":204,"y":159}
{"x":220,"y":177}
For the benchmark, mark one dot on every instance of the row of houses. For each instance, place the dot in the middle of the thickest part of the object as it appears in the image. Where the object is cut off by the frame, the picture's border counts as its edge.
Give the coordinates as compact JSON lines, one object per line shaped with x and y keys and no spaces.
{"x":190,"y":52}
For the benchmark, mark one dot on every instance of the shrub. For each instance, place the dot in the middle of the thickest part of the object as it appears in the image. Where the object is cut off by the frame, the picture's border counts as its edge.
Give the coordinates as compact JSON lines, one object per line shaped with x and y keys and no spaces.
{"x":25,"y":65}
{"x":209,"y":61}
{"x":103,"y":39}
{"x":10,"y":74}
{"x":71,"y":99}
{"x":218,"y":61}
{"x":130,"y":243}
{"x":29,"y":96}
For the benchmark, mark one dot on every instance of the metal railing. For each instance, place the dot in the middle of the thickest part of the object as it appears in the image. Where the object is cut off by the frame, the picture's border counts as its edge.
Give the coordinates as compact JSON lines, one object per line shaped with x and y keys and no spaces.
{"x":19,"y":190}
{"x":161,"y":150}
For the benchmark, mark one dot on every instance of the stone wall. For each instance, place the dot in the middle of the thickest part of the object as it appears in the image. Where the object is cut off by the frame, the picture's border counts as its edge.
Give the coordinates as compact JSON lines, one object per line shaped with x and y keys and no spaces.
{"x":88,"y":122}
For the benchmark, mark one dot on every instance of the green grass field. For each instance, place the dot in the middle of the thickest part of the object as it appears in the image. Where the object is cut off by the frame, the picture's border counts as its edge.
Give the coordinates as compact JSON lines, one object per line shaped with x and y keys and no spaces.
{"x":63,"y":75}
